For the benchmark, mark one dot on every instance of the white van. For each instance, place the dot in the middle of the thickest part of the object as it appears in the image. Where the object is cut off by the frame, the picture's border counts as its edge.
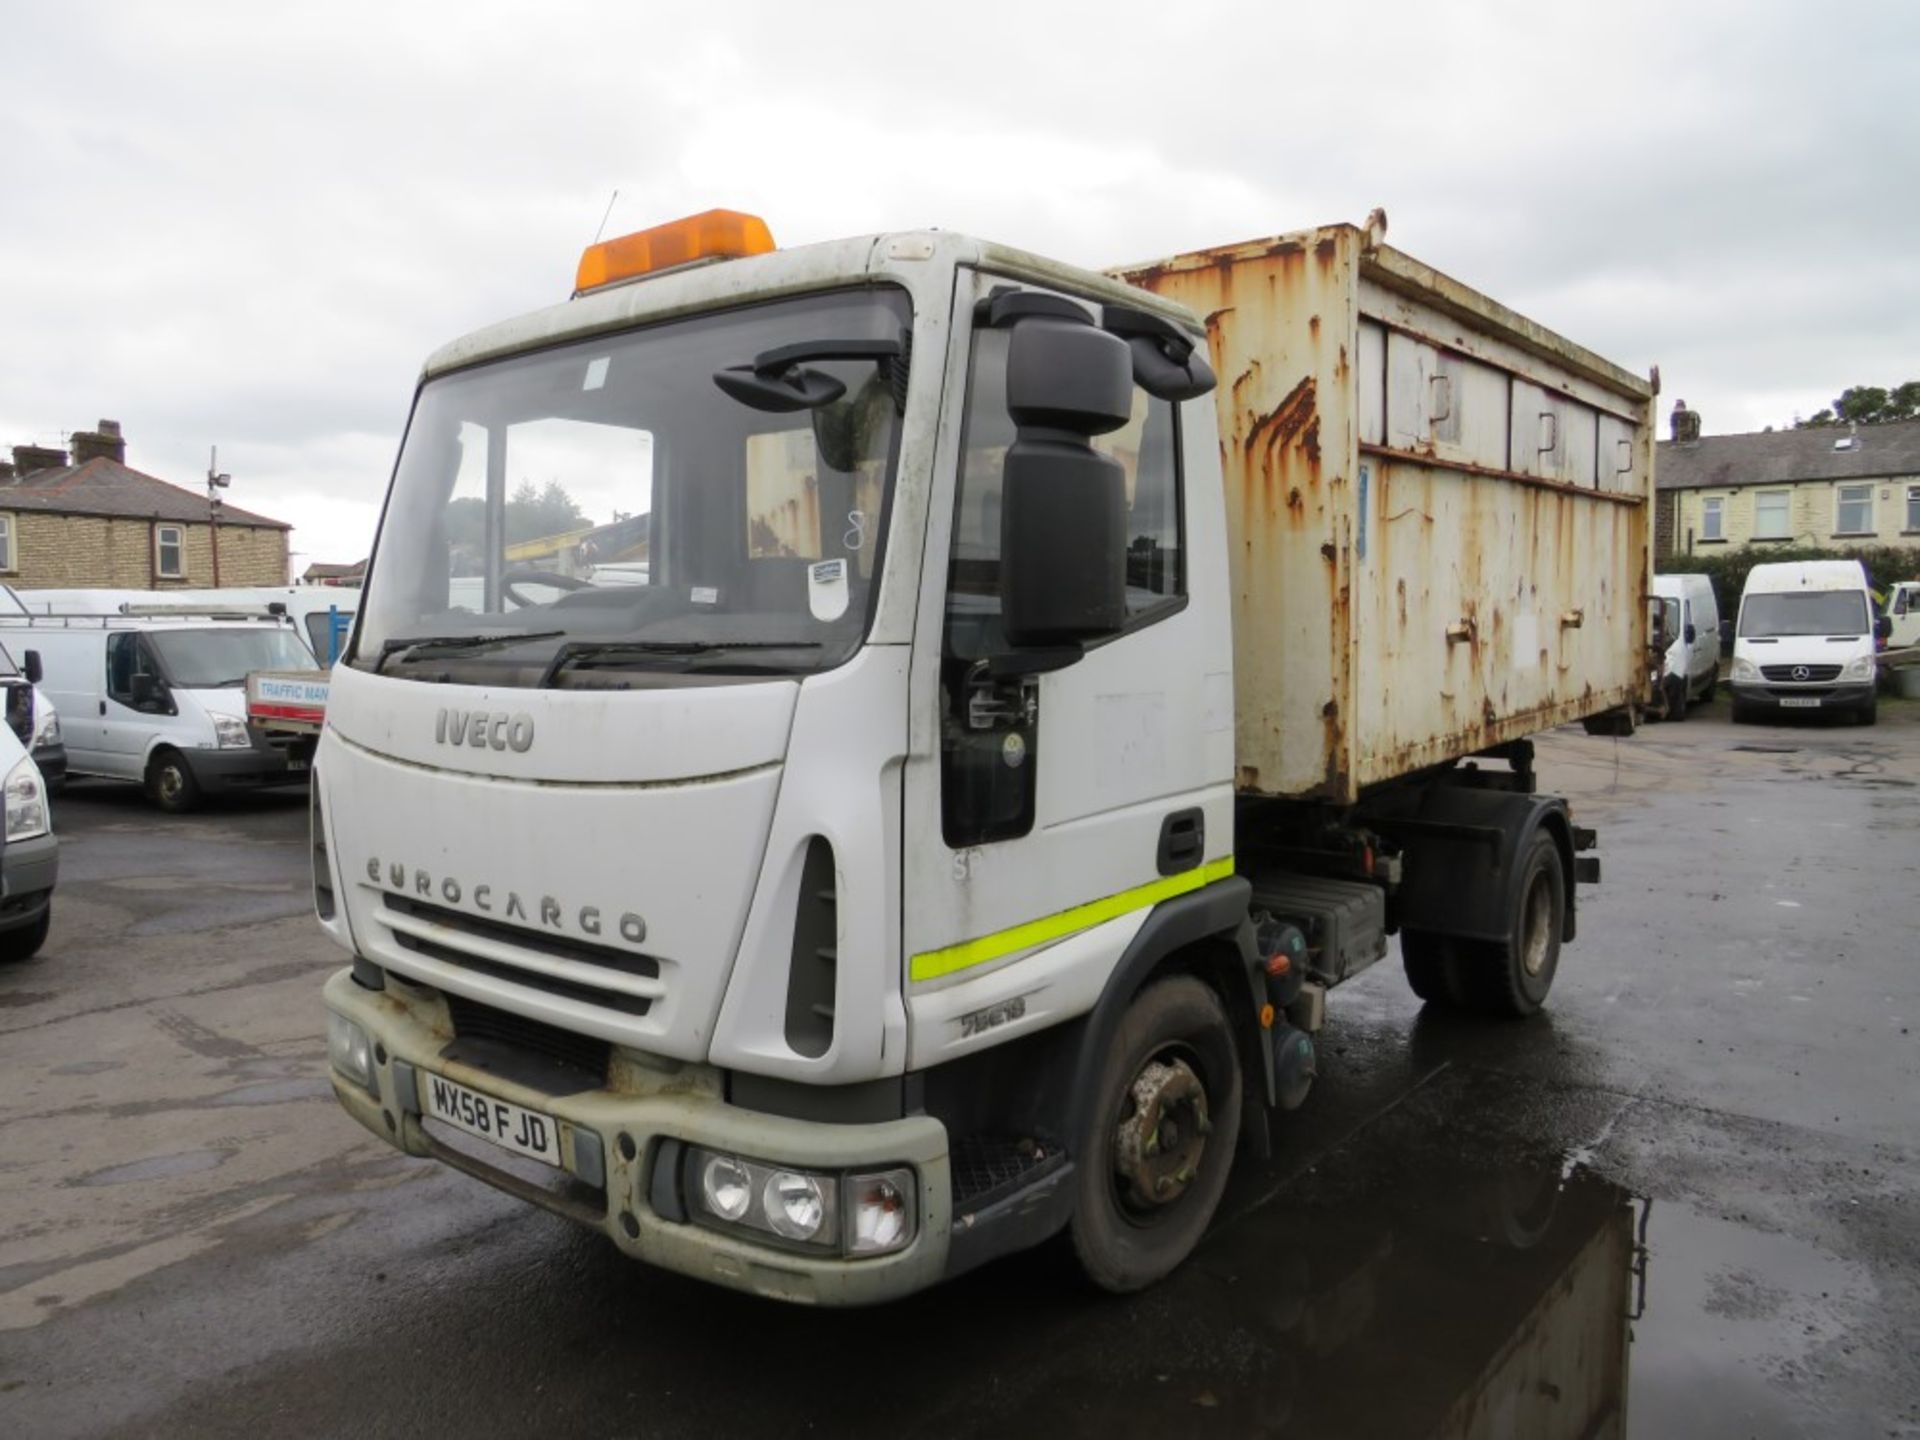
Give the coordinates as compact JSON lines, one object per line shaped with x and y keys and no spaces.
{"x":1689,"y":622}
{"x":1903,"y":609}
{"x":163,"y":701}
{"x":1805,"y":641}
{"x":29,"y":855}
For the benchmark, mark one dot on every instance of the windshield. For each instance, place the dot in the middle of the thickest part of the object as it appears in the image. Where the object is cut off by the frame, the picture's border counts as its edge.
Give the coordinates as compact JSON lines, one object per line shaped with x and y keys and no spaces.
{"x":1805,"y":612}
{"x":211,"y":659}
{"x":607,"y":506}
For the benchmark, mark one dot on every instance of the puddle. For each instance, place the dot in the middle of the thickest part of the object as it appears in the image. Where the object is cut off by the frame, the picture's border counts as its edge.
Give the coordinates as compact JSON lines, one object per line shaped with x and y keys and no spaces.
{"x":157,"y":1167}
{"x":89,"y":1067}
{"x":19,"y":999}
{"x":1737,"y":1322}
{"x":275,"y":1092}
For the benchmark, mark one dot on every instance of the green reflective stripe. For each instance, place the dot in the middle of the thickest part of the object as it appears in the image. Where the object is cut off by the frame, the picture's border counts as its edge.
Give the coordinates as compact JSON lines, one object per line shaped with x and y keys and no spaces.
{"x":932,"y":964}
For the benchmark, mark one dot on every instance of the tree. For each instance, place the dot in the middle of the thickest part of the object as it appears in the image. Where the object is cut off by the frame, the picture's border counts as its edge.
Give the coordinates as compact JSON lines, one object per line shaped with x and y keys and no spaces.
{"x":1867,"y":405}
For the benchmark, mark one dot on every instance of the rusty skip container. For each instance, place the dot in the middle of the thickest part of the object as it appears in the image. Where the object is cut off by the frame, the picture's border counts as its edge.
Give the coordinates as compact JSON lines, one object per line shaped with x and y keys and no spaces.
{"x":1439,"y":512}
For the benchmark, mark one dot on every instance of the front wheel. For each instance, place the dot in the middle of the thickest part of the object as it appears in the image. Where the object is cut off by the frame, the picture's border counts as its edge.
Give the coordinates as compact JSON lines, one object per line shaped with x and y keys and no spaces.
{"x":170,"y":783}
{"x":1161,"y":1137}
{"x":1512,"y":976}
{"x":1677,"y":697}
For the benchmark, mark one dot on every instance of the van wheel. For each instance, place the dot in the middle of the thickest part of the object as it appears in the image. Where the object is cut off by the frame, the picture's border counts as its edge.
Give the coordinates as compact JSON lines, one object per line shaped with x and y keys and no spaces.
{"x":1713,"y":683}
{"x":170,"y":783}
{"x":1677,"y":697}
{"x":17,"y":945}
{"x":1161,"y":1137}
{"x":1868,"y":714}
{"x":1512,"y":977}
{"x":1432,"y":962}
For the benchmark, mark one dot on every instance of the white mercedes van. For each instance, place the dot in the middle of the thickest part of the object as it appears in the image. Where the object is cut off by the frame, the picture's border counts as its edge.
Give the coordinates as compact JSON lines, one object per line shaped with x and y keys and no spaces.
{"x":1805,"y":641}
{"x":1689,"y":622}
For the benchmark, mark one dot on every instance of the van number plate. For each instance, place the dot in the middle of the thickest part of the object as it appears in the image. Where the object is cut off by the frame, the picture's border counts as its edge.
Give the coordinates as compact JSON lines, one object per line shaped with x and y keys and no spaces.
{"x":1801,"y":702}
{"x":512,"y":1127}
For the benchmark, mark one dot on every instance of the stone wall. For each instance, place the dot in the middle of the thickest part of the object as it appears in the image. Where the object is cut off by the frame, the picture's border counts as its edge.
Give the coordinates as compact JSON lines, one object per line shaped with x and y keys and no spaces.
{"x":70,"y":551}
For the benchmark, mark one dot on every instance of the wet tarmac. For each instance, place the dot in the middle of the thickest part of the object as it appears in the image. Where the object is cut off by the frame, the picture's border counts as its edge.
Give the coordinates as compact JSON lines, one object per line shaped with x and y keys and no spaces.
{"x":1686,"y":1201}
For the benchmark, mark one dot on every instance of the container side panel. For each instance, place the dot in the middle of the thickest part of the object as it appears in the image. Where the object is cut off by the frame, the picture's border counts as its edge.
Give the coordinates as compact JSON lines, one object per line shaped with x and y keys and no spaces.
{"x":1281,"y":320}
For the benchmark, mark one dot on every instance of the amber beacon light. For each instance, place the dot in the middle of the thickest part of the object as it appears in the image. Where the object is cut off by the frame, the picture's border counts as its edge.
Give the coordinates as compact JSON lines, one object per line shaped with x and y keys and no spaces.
{"x":713,"y":235}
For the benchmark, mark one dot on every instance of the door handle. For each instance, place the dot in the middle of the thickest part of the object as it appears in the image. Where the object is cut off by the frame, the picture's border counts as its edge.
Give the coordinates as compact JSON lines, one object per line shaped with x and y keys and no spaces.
{"x":1183,"y":840}
{"x":103,"y":707}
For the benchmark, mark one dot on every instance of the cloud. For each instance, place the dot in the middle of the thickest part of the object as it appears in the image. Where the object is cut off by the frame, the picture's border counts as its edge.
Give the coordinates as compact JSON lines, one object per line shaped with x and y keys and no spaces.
{"x":246,"y":225}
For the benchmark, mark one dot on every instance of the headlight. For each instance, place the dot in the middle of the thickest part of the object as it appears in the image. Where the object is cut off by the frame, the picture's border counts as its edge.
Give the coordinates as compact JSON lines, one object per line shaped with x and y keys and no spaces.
{"x":26,"y":801}
{"x":1860,"y":669}
{"x":351,"y":1053}
{"x":46,"y":730}
{"x":855,"y":1215}
{"x":231,"y":734}
{"x":1744,"y":670}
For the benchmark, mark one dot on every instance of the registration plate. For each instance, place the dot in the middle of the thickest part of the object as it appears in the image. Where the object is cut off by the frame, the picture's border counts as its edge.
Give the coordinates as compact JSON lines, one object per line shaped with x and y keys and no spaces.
{"x":1800,"y":702}
{"x":514,"y":1127}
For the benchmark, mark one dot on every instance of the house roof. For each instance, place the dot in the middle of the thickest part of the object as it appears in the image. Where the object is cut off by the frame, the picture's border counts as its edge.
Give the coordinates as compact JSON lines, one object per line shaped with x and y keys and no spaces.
{"x":326,"y":570}
{"x":1781,"y":457}
{"x":105,"y":487}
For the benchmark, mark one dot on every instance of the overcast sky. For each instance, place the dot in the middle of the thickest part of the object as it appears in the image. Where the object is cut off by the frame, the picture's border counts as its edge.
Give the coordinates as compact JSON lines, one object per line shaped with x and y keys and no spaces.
{"x":247,"y":224}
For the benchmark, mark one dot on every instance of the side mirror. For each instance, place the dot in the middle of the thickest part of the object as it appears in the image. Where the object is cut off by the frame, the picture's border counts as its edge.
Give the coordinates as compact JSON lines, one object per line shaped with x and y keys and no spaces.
{"x":1692,"y":634}
{"x":1063,"y":521}
{"x":1883,"y":628}
{"x":32,"y":669}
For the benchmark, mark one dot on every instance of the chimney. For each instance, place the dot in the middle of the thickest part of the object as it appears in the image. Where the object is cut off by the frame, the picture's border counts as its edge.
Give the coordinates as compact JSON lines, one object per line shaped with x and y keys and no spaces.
{"x":1686,"y":423}
{"x":106,"y":443}
{"x":28,"y":459}
{"x":7,"y":473}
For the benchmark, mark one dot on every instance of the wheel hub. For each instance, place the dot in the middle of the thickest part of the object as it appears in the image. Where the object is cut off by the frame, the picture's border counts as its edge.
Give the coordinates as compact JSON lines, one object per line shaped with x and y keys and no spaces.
{"x":1159,"y":1141}
{"x":1538,"y":933}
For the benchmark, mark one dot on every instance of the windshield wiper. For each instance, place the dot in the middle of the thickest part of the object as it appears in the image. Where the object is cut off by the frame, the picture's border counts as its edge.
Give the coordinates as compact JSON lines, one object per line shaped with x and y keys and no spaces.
{"x":589,"y":653}
{"x":472,"y":643}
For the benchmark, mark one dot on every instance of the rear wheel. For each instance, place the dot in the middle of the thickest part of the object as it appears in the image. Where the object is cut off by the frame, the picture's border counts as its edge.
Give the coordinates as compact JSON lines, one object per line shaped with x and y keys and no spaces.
{"x":1713,"y":682}
{"x":25,"y":943}
{"x":1161,"y":1137}
{"x":1512,"y":976}
{"x":170,"y":783}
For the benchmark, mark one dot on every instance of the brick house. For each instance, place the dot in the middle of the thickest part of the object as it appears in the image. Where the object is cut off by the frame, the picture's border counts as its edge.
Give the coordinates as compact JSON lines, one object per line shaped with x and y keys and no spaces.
{"x":1826,"y":486}
{"x":93,"y":520}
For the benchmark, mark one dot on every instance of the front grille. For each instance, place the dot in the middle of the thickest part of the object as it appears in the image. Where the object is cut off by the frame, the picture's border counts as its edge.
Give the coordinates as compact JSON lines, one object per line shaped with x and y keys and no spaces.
{"x":987,"y":1166}
{"x":475,"y":1021}
{"x":532,"y":943}
{"x":1815,"y":674}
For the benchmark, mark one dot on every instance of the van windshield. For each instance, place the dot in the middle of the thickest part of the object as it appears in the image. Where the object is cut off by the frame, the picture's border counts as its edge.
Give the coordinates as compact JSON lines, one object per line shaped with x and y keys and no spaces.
{"x":213,"y":659}
{"x":1805,"y":612}
{"x":702,"y":497}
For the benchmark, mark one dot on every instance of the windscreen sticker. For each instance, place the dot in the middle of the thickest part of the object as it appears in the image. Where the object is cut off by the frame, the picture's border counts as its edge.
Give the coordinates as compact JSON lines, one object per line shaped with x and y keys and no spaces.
{"x":596,"y":373}
{"x":705,"y":595}
{"x":827,"y":589}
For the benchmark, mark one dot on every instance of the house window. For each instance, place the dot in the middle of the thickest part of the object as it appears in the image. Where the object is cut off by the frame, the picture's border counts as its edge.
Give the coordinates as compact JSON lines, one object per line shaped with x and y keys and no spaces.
{"x":1913,"y":510}
{"x":169,"y":559}
{"x":1770,"y":515}
{"x":1711,"y":519}
{"x":7,"y":565}
{"x":1853,"y":510}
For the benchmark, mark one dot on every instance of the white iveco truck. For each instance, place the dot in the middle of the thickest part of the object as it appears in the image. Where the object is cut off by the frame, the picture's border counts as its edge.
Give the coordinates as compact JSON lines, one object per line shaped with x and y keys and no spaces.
{"x":1001,"y":735}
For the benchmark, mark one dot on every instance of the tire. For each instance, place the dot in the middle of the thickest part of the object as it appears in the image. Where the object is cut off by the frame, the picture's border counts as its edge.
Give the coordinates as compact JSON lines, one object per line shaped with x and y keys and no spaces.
{"x":1742,"y":714}
{"x":24,"y":944}
{"x":1713,"y":684}
{"x":1869,"y":713}
{"x":170,"y":783}
{"x":1122,"y":1241}
{"x":1512,"y":977}
{"x":1432,"y":963}
{"x":1677,"y":698}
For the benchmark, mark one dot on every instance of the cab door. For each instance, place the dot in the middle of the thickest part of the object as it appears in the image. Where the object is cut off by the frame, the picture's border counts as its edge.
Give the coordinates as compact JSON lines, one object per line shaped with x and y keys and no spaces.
{"x":1047,"y":814}
{"x":135,"y":707}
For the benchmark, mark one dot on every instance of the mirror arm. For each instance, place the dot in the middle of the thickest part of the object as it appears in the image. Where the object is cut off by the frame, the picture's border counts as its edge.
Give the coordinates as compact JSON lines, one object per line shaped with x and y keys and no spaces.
{"x":1018,"y":664}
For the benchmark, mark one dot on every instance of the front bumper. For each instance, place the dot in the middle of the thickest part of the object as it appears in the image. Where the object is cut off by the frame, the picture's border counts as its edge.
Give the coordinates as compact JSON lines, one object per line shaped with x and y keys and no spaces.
{"x":220,"y":772}
{"x":28,"y":869}
{"x":52,"y":760}
{"x":1835,"y":698}
{"x":614,"y":1136}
